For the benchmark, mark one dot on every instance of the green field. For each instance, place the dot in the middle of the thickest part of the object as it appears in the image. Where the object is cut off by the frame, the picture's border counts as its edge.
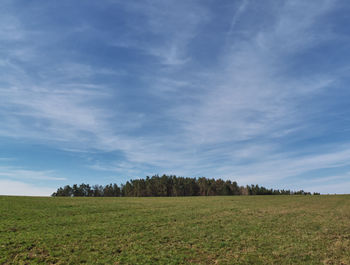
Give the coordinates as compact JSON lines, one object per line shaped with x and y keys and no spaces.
{"x":178,"y":230}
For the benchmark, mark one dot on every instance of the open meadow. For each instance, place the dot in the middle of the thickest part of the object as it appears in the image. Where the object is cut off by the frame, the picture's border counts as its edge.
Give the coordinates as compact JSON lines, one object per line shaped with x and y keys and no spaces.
{"x":176,"y":230}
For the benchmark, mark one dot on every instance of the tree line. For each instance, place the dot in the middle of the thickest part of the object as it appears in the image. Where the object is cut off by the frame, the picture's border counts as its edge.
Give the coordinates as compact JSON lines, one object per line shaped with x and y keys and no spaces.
{"x":170,"y":186}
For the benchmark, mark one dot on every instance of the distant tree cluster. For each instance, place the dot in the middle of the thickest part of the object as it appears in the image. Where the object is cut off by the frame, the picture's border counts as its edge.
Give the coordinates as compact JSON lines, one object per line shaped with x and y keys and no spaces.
{"x":85,"y":190}
{"x":170,"y":186}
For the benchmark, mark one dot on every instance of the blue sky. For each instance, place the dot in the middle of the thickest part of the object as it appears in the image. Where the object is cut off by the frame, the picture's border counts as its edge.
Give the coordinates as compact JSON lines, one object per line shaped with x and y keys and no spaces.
{"x":104,"y":91}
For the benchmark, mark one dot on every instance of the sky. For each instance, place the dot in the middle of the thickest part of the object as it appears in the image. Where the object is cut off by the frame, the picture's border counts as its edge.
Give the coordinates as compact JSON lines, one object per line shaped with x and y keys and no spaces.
{"x":104,"y":91}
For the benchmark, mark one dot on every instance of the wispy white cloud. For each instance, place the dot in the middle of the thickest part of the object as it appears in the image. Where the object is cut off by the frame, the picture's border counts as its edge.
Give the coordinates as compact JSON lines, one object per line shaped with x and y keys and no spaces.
{"x":2,"y":159}
{"x":338,"y":184}
{"x":281,"y":167}
{"x":9,"y":29}
{"x":10,"y":187}
{"x":251,"y":95}
{"x":20,"y":173}
{"x":236,"y":15}
{"x":172,"y":24}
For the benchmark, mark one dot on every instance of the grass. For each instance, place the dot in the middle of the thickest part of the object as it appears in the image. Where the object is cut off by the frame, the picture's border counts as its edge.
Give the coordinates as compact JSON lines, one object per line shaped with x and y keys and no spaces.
{"x":186,"y":230}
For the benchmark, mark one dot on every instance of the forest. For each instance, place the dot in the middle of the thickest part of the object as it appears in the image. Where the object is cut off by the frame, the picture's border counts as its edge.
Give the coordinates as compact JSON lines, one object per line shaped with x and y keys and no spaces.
{"x":170,"y":186}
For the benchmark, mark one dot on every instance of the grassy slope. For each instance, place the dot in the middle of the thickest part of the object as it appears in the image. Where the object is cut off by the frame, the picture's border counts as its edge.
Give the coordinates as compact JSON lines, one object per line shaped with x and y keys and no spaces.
{"x":199,"y":230}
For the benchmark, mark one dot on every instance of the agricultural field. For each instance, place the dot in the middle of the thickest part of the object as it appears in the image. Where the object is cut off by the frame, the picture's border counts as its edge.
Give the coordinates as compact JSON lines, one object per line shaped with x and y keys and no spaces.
{"x":176,"y":230}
